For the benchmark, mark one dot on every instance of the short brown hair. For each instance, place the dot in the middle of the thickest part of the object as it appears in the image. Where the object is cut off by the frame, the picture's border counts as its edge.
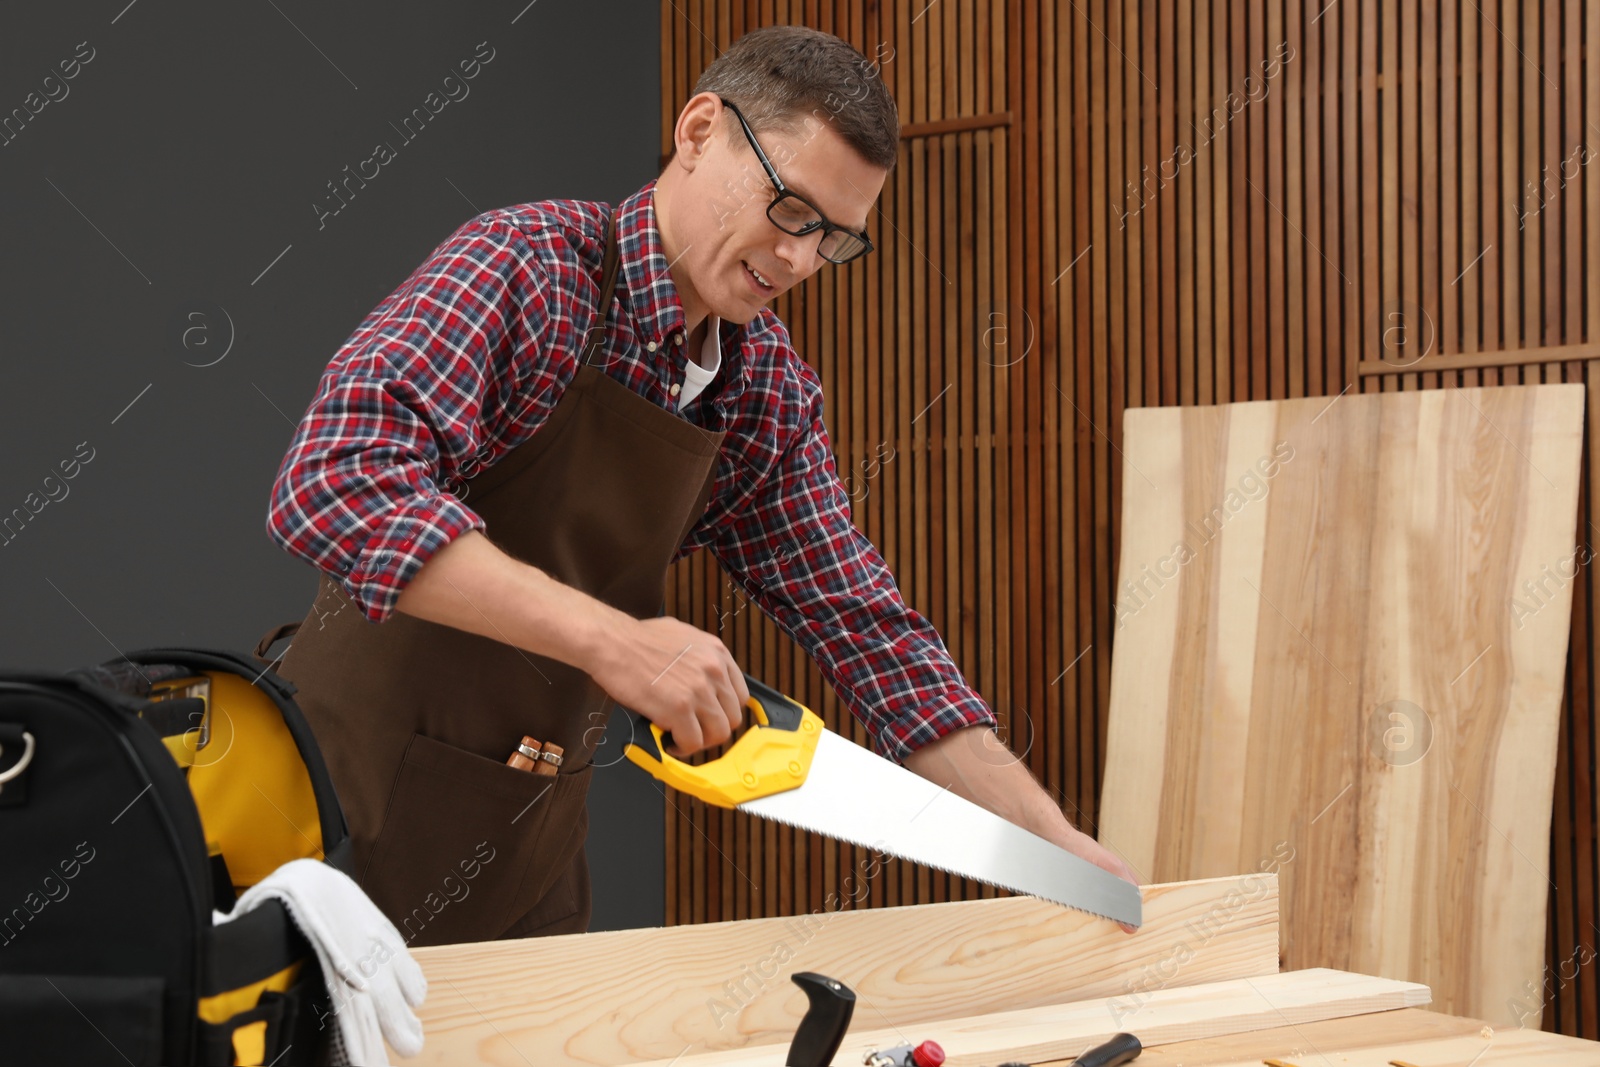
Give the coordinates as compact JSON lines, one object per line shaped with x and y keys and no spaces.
{"x":781,"y":77}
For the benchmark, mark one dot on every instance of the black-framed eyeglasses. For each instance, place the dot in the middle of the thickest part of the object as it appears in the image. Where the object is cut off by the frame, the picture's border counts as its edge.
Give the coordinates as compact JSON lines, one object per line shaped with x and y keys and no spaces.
{"x":795,"y":215}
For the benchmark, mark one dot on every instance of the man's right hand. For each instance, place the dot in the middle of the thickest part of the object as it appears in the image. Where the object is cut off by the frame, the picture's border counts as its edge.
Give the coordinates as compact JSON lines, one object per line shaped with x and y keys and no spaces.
{"x":678,"y":676}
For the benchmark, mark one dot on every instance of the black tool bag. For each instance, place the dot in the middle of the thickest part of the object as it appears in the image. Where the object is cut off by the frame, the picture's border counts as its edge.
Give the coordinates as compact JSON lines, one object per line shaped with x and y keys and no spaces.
{"x":135,"y":797}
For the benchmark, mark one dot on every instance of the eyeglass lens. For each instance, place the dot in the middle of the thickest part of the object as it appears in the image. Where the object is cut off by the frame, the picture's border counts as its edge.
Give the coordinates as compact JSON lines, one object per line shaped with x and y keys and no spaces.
{"x":793,"y":215}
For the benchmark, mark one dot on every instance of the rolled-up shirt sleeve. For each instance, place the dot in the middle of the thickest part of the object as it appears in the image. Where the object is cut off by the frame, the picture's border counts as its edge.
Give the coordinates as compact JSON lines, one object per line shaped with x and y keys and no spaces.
{"x":800,"y":558}
{"x":404,"y":406}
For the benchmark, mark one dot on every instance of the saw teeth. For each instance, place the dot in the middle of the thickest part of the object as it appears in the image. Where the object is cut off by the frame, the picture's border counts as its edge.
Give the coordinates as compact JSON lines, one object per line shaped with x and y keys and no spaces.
{"x":932,"y":866}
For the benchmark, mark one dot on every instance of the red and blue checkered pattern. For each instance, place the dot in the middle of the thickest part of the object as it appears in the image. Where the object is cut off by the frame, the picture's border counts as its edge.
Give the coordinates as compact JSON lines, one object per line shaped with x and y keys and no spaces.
{"x":465,"y":360}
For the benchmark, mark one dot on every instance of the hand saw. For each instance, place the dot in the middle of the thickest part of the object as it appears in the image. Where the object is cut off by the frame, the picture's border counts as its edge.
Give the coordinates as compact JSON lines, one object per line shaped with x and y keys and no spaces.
{"x":789,"y":767}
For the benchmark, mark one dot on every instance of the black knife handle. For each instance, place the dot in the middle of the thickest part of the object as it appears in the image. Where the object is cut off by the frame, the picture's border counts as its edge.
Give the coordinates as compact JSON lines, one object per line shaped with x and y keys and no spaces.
{"x":1122,"y":1048}
{"x":822,"y":1030}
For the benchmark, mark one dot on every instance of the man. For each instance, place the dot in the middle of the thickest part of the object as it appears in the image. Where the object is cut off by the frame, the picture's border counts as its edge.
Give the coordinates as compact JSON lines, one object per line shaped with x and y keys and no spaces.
{"x":507,"y":454}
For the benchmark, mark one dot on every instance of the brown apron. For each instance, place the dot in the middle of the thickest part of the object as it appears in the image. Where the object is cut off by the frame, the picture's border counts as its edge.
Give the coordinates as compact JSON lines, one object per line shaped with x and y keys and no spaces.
{"x":416,"y":718}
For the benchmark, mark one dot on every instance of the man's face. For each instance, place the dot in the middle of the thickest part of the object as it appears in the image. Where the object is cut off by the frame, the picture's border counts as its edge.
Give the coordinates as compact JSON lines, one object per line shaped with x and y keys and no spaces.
{"x":717,"y":197}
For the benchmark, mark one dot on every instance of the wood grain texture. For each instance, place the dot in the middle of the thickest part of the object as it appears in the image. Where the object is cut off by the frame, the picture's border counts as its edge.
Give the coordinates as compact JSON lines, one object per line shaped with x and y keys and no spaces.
{"x":1407,"y":1035}
{"x":1342,"y":643}
{"x":634,"y":995}
{"x":1219,"y":202}
{"x":1183,"y":1013}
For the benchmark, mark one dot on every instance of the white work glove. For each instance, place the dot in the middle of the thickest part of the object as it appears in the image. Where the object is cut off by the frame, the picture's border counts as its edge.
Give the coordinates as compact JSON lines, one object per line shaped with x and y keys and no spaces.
{"x":372,"y":979}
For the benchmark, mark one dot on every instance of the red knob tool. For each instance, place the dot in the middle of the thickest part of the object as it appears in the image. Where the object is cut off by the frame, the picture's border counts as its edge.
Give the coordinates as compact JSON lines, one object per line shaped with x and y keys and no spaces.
{"x":927,"y":1054}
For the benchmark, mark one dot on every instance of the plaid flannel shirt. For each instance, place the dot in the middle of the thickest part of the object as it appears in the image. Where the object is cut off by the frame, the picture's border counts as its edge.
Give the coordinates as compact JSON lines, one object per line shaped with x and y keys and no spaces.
{"x":468,"y":356}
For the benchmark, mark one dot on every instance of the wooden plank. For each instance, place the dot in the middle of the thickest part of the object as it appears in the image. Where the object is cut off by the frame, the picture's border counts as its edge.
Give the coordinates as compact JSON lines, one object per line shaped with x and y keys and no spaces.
{"x":1281,"y":213}
{"x":1449,"y":173}
{"x":1427,"y":184}
{"x":1591,"y":192}
{"x":1178,"y":381}
{"x":1372,"y":212}
{"x":1490,"y":211}
{"x":1258,"y":676}
{"x":1295,"y":168}
{"x":1406,"y":285}
{"x":1555,"y":150}
{"x":1392,"y":228}
{"x":1166,"y":1016}
{"x":1048,"y":708}
{"x":1406,"y":1035}
{"x":1540,"y":144}
{"x":1181,"y":201}
{"x":1511,"y":103}
{"x":1124,"y":254}
{"x":1229,"y":385}
{"x":1260,"y":221}
{"x":959,"y":124}
{"x":1160,"y":369}
{"x":1202,"y":205}
{"x":626,"y":996}
{"x":1356,"y":343}
{"x":1018,"y":690}
{"x":1070,"y":133}
{"x":1332,"y":258}
{"x":1514,"y":358}
{"x":1089,"y":147}
{"x":1466,"y":277}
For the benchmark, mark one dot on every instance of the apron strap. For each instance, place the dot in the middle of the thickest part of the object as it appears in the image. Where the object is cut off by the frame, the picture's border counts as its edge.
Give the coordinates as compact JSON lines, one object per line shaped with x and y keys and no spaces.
{"x":595,"y":335}
{"x":273,"y":636}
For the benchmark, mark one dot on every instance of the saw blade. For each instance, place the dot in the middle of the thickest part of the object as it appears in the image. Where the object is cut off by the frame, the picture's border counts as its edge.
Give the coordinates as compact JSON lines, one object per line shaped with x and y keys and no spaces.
{"x":856,"y":795}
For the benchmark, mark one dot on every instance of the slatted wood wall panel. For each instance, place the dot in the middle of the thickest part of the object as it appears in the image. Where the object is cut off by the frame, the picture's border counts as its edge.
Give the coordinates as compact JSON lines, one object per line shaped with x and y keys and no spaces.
{"x":1118,"y":203}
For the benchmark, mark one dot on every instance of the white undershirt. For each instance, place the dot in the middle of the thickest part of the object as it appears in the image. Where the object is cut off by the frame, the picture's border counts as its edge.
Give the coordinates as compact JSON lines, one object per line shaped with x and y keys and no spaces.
{"x":696,"y":377}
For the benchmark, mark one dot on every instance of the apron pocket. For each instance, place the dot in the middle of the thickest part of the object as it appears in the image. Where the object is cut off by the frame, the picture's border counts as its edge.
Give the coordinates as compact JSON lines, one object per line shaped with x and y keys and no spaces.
{"x":463,"y":840}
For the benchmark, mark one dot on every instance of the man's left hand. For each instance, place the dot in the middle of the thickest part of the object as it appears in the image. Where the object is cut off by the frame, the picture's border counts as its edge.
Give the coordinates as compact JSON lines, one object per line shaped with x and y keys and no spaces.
{"x":976,"y":765}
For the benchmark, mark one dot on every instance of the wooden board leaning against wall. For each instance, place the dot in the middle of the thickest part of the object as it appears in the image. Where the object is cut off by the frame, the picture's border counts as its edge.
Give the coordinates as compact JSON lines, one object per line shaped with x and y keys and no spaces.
{"x":1322,"y":649}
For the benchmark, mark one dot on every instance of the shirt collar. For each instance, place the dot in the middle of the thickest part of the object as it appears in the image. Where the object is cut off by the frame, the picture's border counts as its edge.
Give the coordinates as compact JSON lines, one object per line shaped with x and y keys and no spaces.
{"x":652,"y":297}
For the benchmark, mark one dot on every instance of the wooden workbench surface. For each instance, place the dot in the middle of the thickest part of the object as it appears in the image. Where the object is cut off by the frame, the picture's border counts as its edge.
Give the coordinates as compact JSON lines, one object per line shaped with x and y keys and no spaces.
{"x":1410,"y":1035}
{"x":993,"y":980}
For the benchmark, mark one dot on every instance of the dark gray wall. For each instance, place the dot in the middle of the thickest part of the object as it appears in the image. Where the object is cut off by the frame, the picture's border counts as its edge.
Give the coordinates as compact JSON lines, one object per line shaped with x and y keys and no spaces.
{"x":171,"y":294}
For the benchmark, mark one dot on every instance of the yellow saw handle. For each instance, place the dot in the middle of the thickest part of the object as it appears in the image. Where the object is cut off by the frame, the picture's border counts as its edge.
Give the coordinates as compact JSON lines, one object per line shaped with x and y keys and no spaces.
{"x":773,"y":755}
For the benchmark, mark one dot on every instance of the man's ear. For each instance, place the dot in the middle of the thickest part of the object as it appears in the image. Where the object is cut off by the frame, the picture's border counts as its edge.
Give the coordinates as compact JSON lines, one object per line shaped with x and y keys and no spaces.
{"x":698,"y":122}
